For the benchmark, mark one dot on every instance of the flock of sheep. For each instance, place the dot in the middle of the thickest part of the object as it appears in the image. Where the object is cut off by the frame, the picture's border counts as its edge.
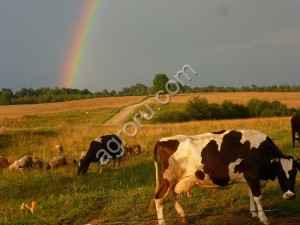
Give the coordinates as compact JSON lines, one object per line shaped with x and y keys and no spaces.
{"x":26,"y":163}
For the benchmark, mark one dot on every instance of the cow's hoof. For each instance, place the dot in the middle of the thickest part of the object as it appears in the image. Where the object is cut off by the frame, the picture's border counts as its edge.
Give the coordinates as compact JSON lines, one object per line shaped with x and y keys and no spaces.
{"x":182,"y":222}
{"x":265,"y":222}
{"x":255,"y":218}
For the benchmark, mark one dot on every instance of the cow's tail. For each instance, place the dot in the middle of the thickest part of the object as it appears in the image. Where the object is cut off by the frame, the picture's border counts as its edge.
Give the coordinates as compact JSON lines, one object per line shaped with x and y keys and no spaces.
{"x":157,"y":183}
{"x":155,"y":155}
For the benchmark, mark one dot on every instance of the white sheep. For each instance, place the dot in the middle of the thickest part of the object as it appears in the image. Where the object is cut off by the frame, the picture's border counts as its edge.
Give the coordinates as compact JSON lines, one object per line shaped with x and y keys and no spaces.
{"x":57,"y":161}
{"x":22,"y":164}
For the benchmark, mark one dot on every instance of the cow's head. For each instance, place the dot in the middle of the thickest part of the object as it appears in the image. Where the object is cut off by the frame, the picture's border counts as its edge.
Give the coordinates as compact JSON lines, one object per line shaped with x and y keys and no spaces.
{"x":286,"y":170}
{"x":83,"y":167}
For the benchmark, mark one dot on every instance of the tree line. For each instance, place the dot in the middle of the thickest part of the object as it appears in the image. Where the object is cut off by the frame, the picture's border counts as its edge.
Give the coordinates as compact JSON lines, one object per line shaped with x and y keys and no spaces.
{"x":47,"y":95}
{"x":198,"y":108}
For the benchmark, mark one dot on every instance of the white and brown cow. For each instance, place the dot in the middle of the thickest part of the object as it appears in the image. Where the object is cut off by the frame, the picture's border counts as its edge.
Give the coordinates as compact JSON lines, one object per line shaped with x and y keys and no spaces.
{"x":219,"y":159}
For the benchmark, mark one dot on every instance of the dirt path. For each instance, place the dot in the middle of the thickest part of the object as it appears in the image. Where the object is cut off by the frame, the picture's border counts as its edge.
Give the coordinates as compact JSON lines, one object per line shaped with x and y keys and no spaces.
{"x":121,"y":117}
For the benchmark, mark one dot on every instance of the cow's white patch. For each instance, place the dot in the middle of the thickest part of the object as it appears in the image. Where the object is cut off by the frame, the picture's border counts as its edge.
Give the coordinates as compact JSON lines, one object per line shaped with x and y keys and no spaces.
{"x":235,"y":177}
{"x":99,"y":139}
{"x":287,"y":166}
{"x":255,"y":137}
{"x":218,"y":138}
{"x":179,"y":138}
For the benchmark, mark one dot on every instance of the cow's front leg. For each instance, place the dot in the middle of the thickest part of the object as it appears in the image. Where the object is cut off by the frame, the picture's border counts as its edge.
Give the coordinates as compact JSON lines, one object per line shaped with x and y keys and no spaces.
{"x":255,"y":189}
{"x":253,"y":210}
{"x":261,"y":213}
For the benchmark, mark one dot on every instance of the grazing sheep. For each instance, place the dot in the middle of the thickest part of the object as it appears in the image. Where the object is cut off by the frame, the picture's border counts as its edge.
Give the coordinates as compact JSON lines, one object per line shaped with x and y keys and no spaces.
{"x":38,"y":163}
{"x":22,"y":164}
{"x":3,"y":163}
{"x":57,"y":161}
{"x":136,"y":149}
{"x":60,"y":148}
{"x":132,"y":150}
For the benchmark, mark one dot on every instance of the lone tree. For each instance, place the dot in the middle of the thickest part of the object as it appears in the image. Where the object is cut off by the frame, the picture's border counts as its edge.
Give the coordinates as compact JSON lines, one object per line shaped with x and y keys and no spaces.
{"x":159,"y":82}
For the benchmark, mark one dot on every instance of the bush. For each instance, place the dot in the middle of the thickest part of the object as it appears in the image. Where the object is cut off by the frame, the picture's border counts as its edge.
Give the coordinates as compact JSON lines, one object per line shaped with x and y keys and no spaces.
{"x":232,"y":111}
{"x":197,"y":108}
{"x":262,"y":108}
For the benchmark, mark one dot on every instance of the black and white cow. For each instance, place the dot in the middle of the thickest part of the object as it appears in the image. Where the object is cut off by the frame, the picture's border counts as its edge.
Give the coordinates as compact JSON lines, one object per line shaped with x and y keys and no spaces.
{"x":295,"y":123}
{"x":102,"y":150}
{"x":219,"y":159}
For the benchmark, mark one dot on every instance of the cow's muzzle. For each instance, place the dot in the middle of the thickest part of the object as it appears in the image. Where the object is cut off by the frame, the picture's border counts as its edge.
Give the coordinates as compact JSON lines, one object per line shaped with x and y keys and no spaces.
{"x":289,"y":195}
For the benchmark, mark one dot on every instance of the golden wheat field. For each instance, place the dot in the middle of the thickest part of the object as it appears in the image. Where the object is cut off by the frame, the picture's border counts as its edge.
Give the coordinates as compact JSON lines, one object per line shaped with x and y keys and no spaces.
{"x":291,"y":99}
{"x":123,"y":194}
{"x":81,"y":105}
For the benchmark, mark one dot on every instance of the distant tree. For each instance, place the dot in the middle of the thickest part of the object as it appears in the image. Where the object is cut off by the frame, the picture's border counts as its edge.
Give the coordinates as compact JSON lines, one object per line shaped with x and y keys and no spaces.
{"x":105,"y":93}
{"x":85,"y":92}
{"x":159,"y":82}
{"x":21,"y":93}
{"x":6,"y":96}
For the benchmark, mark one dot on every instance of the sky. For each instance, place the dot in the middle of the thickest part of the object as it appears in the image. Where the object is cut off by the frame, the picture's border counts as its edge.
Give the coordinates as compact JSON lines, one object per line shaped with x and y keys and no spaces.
{"x":227,"y":42}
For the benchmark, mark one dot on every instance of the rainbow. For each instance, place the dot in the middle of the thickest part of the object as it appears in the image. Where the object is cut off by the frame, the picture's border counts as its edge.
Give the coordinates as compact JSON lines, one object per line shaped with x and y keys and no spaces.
{"x":79,"y":44}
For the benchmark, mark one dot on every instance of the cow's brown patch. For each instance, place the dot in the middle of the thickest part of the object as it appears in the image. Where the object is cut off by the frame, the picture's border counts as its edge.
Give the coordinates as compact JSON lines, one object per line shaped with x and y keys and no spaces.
{"x":162,"y":191}
{"x":199,"y":175}
{"x":165,"y":149}
{"x":216,"y":162}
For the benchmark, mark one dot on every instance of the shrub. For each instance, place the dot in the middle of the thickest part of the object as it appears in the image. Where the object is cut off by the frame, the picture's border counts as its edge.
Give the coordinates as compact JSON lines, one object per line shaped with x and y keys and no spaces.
{"x":197,"y":108}
{"x":262,"y":108}
{"x":232,"y":111}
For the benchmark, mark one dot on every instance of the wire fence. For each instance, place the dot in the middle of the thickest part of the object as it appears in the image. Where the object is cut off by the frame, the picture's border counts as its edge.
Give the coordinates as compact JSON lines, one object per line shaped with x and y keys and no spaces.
{"x":197,"y":217}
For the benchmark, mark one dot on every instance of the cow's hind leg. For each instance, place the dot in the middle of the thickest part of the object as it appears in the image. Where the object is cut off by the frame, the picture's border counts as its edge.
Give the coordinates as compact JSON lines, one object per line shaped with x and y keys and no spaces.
{"x":159,"y":197}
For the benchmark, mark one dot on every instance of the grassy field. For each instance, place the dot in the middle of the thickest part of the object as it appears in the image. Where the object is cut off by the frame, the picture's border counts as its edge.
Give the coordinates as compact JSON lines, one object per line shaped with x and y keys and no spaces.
{"x":123,"y":194}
